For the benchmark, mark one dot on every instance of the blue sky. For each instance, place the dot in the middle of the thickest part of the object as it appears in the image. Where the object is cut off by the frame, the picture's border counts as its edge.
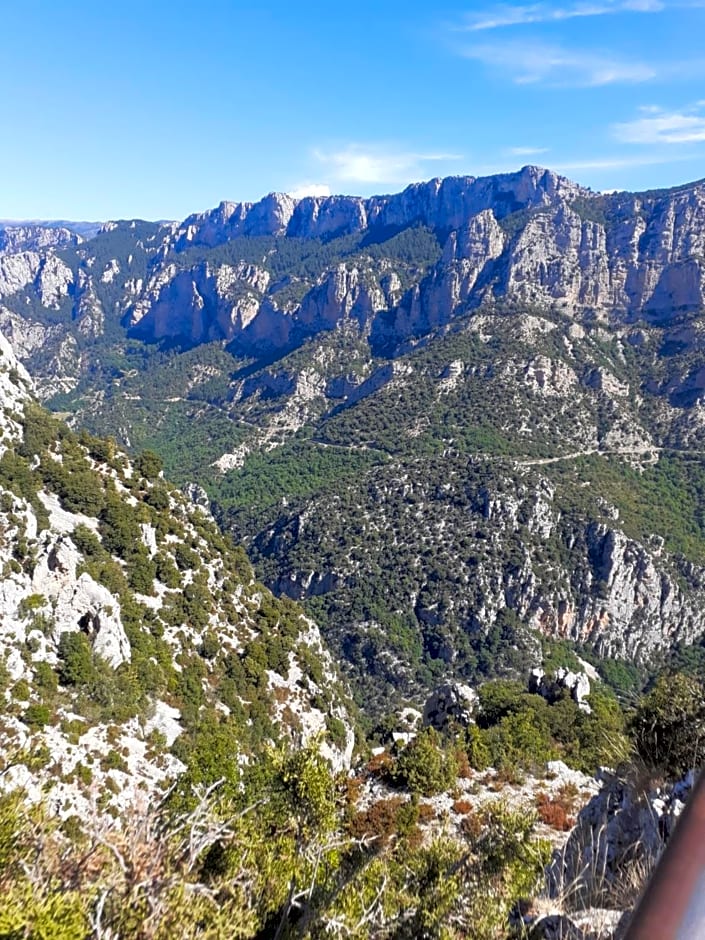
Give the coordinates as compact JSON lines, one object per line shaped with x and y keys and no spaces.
{"x":155,"y":109}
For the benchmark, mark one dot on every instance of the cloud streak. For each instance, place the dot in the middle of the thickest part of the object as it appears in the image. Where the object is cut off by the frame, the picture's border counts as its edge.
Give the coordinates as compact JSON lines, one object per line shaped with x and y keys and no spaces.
{"x":525,"y":151}
{"x":302,"y":190}
{"x":533,"y":63}
{"x":359,"y":163}
{"x":686,"y":126}
{"x":504,"y":15}
{"x":619,"y":162}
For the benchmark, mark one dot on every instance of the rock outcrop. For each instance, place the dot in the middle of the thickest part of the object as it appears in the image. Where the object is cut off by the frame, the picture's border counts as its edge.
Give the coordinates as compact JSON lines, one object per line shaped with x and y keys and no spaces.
{"x":596,"y":878}
{"x":451,"y":704}
{"x":16,"y":238}
{"x":551,"y":686}
{"x":530,"y":237}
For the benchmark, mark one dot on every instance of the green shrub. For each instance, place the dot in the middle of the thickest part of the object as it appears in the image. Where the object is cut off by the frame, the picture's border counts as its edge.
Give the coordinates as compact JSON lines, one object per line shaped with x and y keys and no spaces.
{"x":20,"y":690}
{"x":476,"y":748}
{"x":669,"y":724}
{"x":37,"y":715}
{"x":119,"y":528}
{"x":141,"y":571}
{"x":76,"y":666}
{"x":185,"y":558}
{"x":499,"y":698}
{"x":45,"y":679}
{"x":521,"y":739}
{"x":166,"y":571}
{"x":149,"y":464}
{"x":87,"y":542}
{"x":424,"y":767}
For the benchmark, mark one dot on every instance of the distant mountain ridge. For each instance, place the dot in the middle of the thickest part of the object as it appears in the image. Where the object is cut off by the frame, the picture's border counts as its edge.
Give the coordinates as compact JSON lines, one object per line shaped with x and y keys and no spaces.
{"x":84,"y":229}
{"x":528,"y":237}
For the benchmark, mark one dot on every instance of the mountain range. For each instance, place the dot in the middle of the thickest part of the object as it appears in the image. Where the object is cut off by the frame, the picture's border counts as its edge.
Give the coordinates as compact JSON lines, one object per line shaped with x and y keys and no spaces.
{"x":458,"y":423}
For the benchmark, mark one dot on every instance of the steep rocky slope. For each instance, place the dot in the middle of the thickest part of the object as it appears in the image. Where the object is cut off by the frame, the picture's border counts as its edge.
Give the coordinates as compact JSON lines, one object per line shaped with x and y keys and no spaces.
{"x":130,"y":629}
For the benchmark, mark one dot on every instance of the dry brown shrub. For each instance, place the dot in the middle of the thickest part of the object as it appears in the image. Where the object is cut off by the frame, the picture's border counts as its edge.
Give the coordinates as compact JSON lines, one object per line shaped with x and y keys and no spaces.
{"x":426,"y":812}
{"x":463,"y":807}
{"x":353,"y":789}
{"x":509,"y":774}
{"x":464,"y":768}
{"x":569,"y":794}
{"x":554,"y":812}
{"x":471,"y":826}
{"x":415,"y":838}
{"x":379,"y":821}
{"x":379,"y":763}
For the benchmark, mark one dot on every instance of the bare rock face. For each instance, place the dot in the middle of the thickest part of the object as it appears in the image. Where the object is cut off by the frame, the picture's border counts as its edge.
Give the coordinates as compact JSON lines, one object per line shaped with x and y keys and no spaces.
{"x":50,"y":276}
{"x":530,"y":237}
{"x":54,"y":280}
{"x":344,"y":294}
{"x":451,"y":703}
{"x":17,"y":271}
{"x":15,"y":389}
{"x":550,"y":687}
{"x":16,"y":238}
{"x":79,"y":602}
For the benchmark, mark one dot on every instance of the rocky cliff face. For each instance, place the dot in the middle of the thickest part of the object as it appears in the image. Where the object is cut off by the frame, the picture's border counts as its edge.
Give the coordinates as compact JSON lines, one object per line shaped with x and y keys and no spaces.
{"x":266,"y":276}
{"x":530,"y":237}
{"x":16,"y":238}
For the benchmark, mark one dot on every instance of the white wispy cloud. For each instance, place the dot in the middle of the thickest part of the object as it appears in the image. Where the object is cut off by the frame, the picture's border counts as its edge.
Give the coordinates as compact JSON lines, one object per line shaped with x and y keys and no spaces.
{"x":504,"y":15}
{"x":530,"y":63}
{"x":525,"y":151}
{"x":685,"y":126}
{"x":362,"y":163}
{"x":310,"y":189}
{"x":619,"y":162}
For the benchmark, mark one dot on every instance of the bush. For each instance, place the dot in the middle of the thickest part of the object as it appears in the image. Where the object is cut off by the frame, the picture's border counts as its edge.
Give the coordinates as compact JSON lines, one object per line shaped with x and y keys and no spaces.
{"x":119,"y":528}
{"x":76,"y":666}
{"x":554,"y":813}
{"x":669,"y":725}
{"x":45,"y":679}
{"x":184,"y":557}
{"x":500,"y":698}
{"x":141,"y":571}
{"x":167,"y":572}
{"x":521,"y":739}
{"x":378,"y":822}
{"x":476,"y":749}
{"x":37,"y":715}
{"x":149,"y":465}
{"x":424,"y":767}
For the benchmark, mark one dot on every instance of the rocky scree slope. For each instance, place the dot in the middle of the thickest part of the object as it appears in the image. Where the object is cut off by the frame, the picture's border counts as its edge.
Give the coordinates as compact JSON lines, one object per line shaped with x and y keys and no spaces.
{"x":133,"y":637}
